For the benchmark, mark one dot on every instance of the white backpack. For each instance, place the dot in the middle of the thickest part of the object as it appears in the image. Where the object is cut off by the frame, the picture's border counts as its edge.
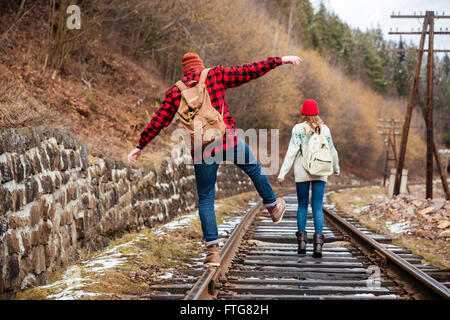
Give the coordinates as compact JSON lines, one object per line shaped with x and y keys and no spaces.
{"x":317,"y":158}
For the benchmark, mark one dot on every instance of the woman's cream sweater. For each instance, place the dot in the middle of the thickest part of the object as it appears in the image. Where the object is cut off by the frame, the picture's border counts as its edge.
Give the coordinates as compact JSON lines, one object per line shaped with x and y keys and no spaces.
{"x":301,"y":133}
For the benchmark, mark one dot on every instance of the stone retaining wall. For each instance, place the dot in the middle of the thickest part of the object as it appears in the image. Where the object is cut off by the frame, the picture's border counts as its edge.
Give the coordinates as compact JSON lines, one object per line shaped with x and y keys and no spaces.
{"x":57,"y":203}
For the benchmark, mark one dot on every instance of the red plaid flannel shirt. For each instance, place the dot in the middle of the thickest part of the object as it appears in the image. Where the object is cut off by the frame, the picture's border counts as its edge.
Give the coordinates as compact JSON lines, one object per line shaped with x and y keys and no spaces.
{"x":218,"y":80}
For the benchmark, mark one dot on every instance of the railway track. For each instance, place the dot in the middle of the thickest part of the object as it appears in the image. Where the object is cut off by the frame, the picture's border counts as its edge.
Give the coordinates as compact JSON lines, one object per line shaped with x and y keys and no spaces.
{"x":260,"y":261}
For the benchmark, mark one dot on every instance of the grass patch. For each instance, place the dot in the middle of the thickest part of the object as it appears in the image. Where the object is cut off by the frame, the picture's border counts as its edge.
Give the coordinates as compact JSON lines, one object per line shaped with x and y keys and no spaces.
{"x":168,"y":250}
{"x":433,"y":252}
{"x":92,"y":103}
{"x":349,"y":200}
{"x":116,"y":281}
{"x":34,"y":293}
{"x":38,"y":293}
{"x":233,"y":206}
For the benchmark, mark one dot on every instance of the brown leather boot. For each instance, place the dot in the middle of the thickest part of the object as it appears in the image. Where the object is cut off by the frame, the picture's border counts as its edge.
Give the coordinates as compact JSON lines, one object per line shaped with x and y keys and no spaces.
{"x":277,"y":211}
{"x":318,"y":239}
{"x":302,"y":240}
{"x":213,"y":256}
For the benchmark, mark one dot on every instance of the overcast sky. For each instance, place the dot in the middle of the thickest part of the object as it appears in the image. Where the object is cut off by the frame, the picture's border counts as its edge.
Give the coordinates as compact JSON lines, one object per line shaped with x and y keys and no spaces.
{"x":369,"y":13}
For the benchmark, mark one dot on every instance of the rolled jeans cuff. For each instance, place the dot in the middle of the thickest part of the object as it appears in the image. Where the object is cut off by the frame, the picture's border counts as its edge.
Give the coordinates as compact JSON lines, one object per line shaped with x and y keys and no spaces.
{"x":268,"y":205}
{"x":208,"y":243}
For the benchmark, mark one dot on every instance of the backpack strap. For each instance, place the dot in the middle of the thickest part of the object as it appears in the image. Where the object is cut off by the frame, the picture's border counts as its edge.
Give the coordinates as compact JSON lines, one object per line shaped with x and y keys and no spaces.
{"x":203,"y":75}
{"x":180,"y":84}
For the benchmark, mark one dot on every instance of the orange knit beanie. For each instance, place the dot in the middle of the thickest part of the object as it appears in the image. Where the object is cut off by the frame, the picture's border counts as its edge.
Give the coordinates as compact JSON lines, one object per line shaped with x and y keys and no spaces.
{"x":191,"y":60}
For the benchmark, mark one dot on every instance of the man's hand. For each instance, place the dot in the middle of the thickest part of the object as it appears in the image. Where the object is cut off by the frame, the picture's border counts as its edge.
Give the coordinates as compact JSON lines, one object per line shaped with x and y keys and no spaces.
{"x":136,"y":152}
{"x":280,"y":179}
{"x":291,"y":60}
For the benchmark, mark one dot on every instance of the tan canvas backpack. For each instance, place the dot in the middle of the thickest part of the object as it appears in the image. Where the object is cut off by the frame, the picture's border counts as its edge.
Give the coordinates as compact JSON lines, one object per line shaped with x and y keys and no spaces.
{"x":197,"y":114}
{"x":317,"y":158}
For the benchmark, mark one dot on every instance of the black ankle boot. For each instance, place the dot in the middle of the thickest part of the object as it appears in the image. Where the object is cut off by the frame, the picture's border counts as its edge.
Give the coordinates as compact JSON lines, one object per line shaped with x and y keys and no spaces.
{"x":301,"y":239}
{"x":318,"y":239}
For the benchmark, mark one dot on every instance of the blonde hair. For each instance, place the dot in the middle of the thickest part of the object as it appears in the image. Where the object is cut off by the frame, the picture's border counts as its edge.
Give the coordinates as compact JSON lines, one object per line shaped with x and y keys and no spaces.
{"x":313,"y":121}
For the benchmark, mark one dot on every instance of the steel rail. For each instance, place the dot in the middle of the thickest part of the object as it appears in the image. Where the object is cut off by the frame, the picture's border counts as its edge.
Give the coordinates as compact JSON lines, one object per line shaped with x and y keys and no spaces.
{"x":205,"y":286}
{"x":413,"y":279}
{"x":417,"y":283}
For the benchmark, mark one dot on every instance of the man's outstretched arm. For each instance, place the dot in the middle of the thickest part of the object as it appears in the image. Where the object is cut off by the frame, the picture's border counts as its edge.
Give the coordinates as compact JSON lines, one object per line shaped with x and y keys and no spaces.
{"x":161,"y":119}
{"x":236,"y":76}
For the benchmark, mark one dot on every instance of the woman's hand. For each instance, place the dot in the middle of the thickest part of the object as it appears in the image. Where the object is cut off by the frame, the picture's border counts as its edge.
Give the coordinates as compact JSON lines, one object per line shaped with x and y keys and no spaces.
{"x":136,"y":152}
{"x":280,"y":180}
{"x":294,"y":60}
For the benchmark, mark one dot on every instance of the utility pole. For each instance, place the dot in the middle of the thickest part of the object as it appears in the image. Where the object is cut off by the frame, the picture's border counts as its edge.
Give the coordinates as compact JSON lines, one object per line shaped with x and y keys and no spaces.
{"x":389,"y":130}
{"x":446,"y":153}
{"x":442,"y":172}
{"x":430,"y":141}
{"x":428,"y":28}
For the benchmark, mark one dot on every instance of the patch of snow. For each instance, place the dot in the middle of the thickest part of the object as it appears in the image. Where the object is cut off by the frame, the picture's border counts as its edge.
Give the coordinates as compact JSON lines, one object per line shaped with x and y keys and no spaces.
{"x":179,"y":223}
{"x":70,"y":287}
{"x":72,"y":283}
{"x":70,"y":294}
{"x":369,"y":295}
{"x":103,"y":263}
{"x":227,"y":227}
{"x":167,"y":275}
{"x":358,"y":210}
{"x":400,"y":227}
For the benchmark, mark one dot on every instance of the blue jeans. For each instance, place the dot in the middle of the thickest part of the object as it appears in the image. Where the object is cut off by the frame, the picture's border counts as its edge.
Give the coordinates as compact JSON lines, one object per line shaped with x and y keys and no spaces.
{"x":318,"y":189}
{"x":206,"y":176}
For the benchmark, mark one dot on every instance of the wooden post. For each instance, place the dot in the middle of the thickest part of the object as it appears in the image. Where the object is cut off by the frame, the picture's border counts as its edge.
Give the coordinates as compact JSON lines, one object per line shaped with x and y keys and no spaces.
{"x":394,"y":143}
{"x":444,"y":177}
{"x":386,"y":144}
{"x":391,"y":183}
{"x":408,"y":116}
{"x":404,"y":182}
{"x":442,"y":171}
{"x":389,"y":142}
{"x":429,"y":188}
{"x":445,"y":174}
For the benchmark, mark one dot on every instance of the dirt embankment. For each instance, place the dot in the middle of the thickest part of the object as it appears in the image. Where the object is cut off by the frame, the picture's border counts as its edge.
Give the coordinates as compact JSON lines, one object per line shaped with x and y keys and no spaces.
{"x":102,"y":96}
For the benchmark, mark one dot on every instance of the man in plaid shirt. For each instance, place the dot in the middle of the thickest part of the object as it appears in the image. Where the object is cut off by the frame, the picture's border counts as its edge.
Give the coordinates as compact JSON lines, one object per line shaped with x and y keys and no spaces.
{"x":219,"y":79}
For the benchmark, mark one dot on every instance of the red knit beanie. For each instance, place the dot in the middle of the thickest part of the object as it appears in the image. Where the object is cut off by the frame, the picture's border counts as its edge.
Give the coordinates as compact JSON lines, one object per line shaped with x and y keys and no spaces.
{"x":191,"y":60}
{"x":310,"y":108}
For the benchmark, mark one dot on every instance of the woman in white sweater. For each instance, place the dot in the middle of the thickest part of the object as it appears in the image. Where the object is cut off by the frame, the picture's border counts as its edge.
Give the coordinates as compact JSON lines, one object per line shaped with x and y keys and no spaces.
{"x":301,"y":133}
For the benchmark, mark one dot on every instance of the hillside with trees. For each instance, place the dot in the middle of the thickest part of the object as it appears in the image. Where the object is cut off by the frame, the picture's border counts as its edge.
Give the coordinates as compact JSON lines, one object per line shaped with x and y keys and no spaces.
{"x":104,"y":81}
{"x":366,"y":56}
